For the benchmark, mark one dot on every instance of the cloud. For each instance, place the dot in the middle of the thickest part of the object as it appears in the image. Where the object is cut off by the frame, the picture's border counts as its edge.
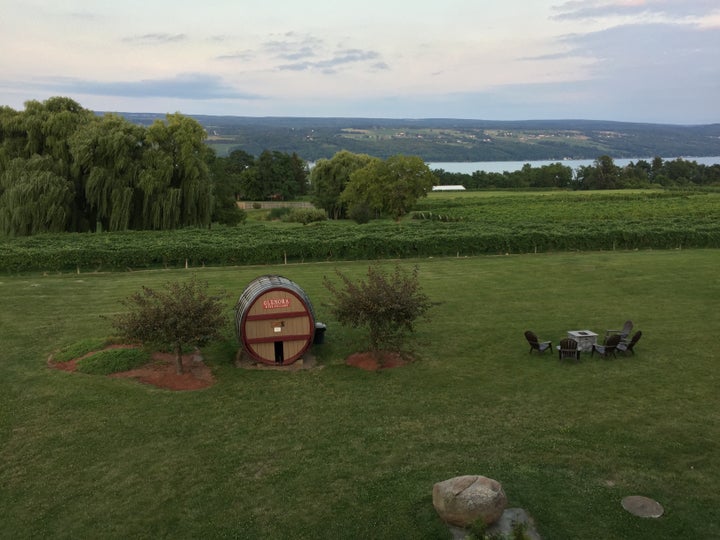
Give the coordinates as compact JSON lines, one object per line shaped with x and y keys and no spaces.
{"x":591,"y":9}
{"x":294,"y":46}
{"x":675,"y":50}
{"x":83,"y":16}
{"x":196,"y":86}
{"x":295,"y":52}
{"x":243,"y":56}
{"x":340,"y":58}
{"x":632,"y":70}
{"x":155,"y":39}
{"x":303,"y":52}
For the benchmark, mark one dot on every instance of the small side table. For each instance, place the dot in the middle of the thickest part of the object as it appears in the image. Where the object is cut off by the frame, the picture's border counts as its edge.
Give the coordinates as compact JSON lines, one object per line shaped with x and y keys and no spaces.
{"x":585,"y":339}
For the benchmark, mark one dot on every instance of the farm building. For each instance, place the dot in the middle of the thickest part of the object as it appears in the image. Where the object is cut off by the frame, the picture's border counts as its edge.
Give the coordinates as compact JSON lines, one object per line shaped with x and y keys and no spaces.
{"x":449,"y":188}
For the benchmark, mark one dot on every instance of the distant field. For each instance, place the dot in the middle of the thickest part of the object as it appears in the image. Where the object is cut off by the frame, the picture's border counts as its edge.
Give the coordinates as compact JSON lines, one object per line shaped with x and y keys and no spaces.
{"x":339,"y":453}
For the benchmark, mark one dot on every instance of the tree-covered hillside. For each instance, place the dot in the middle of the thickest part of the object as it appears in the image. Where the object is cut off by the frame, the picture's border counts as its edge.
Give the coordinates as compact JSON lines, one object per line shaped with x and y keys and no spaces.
{"x":452,"y":139}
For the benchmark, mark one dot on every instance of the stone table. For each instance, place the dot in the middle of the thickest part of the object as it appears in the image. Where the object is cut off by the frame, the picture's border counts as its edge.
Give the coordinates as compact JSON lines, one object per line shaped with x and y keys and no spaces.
{"x":585,"y":339}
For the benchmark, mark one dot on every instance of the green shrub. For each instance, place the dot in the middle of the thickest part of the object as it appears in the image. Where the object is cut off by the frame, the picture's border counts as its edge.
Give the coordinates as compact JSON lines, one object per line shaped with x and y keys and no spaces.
{"x":278,"y":213}
{"x":360,"y":213}
{"x":387,"y":304}
{"x":113,"y":361}
{"x":305,"y":215}
{"x":231,"y":216}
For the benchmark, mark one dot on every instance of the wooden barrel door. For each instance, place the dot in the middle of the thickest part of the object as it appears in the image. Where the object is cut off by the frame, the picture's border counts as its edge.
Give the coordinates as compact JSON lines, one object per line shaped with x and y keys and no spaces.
{"x":275,"y":320}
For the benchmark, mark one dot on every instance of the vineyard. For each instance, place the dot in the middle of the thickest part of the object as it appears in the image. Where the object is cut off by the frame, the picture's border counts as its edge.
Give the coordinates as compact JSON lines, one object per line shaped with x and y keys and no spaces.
{"x":442,"y":225}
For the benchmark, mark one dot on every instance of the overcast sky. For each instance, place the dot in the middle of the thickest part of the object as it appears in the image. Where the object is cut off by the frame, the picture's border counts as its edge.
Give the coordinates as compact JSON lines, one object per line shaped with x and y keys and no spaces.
{"x":626,"y":60}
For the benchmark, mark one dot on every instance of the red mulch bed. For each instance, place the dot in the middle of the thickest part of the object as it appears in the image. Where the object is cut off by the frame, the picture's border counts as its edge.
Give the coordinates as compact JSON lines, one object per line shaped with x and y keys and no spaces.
{"x":161,"y":372}
{"x":370,"y":361}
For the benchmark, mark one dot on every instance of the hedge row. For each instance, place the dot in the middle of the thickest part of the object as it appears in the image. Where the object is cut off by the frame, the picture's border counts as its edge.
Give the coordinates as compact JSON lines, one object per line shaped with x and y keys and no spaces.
{"x":261,"y":243}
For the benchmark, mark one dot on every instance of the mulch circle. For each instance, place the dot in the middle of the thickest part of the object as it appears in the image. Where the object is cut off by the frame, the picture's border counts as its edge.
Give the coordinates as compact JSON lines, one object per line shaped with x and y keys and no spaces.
{"x":370,"y":361}
{"x":161,"y":372}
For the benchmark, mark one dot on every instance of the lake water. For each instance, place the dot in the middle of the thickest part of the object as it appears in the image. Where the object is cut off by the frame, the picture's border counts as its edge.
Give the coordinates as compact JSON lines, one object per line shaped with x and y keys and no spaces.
{"x":469,"y":167}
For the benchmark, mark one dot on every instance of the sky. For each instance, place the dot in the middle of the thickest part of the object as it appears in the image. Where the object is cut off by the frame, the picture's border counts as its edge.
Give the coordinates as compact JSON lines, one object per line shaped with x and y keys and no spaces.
{"x":655,"y":61}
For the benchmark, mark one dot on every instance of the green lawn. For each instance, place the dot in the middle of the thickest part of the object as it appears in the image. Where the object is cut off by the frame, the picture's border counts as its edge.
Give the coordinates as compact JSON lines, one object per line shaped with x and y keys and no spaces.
{"x":342,"y":453}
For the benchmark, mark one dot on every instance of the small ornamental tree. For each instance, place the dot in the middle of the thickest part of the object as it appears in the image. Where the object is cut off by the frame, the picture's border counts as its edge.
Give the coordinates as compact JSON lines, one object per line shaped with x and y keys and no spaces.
{"x":388,"y":304}
{"x":181,"y":314}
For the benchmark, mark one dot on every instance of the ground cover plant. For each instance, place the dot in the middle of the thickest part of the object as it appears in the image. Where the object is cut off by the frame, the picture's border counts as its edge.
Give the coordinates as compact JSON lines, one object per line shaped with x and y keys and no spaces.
{"x":113,"y":361}
{"x":474,"y":224}
{"x":339,"y":452}
{"x":80,"y":348}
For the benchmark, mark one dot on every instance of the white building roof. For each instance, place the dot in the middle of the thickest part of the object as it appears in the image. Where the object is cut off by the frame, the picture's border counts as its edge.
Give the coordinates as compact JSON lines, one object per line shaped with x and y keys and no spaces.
{"x":449,"y":188}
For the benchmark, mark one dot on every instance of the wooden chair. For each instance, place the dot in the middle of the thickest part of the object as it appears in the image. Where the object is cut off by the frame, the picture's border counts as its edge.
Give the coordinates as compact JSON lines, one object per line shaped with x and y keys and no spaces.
{"x":568,"y":348}
{"x":624,"y":332}
{"x":628,"y":346}
{"x":611,"y":344}
{"x":535,"y":344}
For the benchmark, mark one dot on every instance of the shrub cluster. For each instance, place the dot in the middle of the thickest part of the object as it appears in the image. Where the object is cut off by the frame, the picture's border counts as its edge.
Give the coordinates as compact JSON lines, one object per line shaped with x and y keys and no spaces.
{"x":305,"y":215}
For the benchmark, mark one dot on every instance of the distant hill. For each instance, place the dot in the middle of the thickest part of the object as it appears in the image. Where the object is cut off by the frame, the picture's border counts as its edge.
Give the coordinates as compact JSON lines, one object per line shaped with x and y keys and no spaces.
{"x":453,"y":140}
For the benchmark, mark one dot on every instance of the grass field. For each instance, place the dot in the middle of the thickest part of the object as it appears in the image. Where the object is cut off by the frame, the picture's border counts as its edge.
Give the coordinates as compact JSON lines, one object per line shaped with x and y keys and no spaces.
{"x":342,"y":453}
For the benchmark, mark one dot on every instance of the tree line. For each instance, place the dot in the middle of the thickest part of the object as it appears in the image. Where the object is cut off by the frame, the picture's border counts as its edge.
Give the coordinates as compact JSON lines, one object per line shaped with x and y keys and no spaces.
{"x":602,"y":174}
{"x":64,"y":168}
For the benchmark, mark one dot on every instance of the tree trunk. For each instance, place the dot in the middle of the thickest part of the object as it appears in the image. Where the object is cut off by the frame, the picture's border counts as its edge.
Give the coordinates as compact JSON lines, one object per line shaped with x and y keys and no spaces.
{"x":178,"y":359}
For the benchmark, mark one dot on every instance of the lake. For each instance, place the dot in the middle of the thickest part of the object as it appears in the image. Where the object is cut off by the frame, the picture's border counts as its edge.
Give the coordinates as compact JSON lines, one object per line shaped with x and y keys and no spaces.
{"x":469,"y":167}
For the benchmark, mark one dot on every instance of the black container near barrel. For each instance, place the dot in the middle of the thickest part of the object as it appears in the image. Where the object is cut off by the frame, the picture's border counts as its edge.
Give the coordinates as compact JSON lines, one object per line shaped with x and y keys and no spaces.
{"x":275,"y":321}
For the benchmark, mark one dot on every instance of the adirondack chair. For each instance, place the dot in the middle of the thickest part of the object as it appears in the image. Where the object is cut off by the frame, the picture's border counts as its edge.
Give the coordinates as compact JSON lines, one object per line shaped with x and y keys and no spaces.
{"x":624,"y":331}
{"x":628,"y":346}
{"x":535,"y":344}
{"x":568,"y":348}
{"x":611,"y":344}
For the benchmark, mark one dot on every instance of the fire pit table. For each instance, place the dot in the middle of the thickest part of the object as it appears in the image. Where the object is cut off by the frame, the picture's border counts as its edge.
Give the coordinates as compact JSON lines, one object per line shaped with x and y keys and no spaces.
{"x":585,"y":339}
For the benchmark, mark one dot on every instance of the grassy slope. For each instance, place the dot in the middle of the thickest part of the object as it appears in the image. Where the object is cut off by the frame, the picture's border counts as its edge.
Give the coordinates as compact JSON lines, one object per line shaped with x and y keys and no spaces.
{"x":342,"y":453}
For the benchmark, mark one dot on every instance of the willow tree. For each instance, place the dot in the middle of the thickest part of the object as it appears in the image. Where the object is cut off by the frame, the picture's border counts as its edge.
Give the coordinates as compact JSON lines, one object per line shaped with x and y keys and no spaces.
{"x":49,"y":126}
{"x":12,"y":135}
{"x":45,"y":129}
{"x":329,"y":177}
{"x":175,"y":181}
{"x":390,"y":186}
{"x":108,"y":157}
{"x":33,"y":198}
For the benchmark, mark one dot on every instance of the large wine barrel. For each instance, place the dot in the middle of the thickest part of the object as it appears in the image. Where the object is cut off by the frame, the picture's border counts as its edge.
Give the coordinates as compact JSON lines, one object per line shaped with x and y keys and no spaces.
{"x":275,"y":321}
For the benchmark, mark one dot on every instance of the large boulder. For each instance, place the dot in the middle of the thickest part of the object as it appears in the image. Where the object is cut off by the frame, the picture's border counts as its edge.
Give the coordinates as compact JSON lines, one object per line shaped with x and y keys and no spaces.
{"x":463,"y":500}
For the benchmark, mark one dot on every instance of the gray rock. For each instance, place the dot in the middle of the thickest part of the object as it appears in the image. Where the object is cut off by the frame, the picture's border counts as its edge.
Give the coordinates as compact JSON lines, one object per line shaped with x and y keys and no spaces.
{"x":462,"y":500}
{"x":642,"y":506}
